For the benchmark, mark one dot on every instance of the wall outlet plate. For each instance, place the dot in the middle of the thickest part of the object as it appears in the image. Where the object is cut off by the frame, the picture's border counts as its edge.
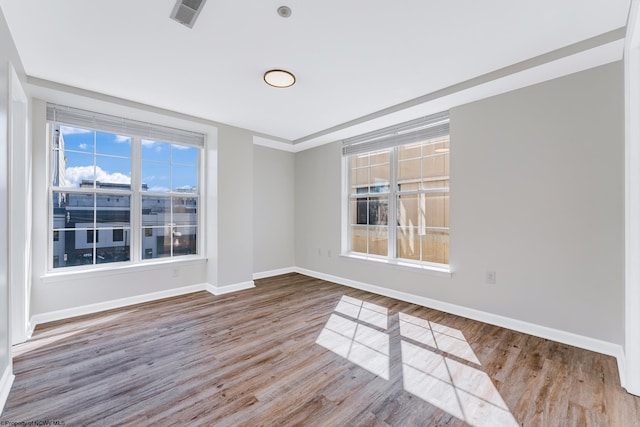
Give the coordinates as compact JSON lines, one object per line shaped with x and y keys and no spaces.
{"x":490,"y":278}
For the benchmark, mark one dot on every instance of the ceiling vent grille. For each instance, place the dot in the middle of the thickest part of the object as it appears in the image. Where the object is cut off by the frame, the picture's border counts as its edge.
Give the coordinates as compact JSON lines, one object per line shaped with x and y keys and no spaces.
{"x":186,"y":11}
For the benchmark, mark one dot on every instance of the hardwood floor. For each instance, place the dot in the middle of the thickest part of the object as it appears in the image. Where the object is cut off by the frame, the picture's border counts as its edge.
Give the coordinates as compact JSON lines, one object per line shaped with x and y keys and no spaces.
{"x":302,"y":351}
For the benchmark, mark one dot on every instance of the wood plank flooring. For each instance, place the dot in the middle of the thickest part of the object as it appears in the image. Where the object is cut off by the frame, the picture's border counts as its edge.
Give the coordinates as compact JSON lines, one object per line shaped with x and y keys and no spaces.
{"x":301,"y":351}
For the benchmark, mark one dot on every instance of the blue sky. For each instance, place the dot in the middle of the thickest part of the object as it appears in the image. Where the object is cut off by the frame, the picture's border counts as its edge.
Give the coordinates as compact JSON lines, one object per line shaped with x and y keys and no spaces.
{"x":164,"y":166}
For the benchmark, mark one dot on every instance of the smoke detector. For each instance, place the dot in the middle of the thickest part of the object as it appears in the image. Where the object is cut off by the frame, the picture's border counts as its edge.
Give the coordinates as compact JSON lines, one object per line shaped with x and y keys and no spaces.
{"x":186,"y":11}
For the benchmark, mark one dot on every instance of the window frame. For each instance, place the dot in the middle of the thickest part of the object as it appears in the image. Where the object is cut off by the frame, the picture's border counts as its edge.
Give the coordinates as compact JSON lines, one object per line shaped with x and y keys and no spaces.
{"x":136,"y":193}
{"x":392,"y":194}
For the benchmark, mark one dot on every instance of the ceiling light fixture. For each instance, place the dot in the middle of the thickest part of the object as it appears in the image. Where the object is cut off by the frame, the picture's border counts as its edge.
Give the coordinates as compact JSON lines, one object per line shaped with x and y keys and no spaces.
{"x":279,"y":78}
{"x":284,"y":11}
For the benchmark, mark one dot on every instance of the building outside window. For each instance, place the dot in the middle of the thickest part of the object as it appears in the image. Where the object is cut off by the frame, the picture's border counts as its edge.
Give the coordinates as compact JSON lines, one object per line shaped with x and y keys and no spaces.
{"x":146,"y":208}
{"x":398,"y":192}
{"x":117,"y":235}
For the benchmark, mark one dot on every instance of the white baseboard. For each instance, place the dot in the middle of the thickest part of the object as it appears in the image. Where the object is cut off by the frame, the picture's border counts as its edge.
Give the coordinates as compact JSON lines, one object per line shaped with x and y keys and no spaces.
{"x":31,"y":326}
{"x":123,"y":302}
{"x":108,"y":305}
{"x":271,"y":273}
{"x":588,"y":343}
{"x":564,"y":337}
{"x":5,"y":386}
{"x":621,"y":357}
{"x":220,"y":290}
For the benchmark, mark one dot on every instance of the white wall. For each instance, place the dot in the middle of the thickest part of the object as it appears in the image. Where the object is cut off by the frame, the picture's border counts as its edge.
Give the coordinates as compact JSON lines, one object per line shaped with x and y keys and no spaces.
{"x":632,"y":200}
{"x":20,"y":210}
{"x":273,"y":209}
{"x":8,"y":58}
{"x":536,"y":195}
{"x":5,"y":340}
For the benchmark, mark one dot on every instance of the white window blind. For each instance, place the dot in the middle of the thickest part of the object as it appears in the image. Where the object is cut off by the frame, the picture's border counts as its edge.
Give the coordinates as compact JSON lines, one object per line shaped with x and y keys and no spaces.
{"x":121,"y":126}
{"x":433,"y":126}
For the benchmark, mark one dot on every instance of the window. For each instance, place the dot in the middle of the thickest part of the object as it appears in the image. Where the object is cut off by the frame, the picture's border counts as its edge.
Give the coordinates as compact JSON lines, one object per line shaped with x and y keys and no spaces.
{"x":370,"y":190}
{"x":148,"y":206}
{"x":172,"y":211}
{"x":90,"y":235}
{"x":117,"y":235}
{"x":398,"y":191}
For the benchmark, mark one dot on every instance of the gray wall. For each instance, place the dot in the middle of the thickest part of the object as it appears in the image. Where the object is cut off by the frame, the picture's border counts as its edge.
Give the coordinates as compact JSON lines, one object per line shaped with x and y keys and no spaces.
{"x":273,"y":209}
{"x":51,"y":293}
{"x":235,"y":206}
{"x":536,"y":195}
{"x":228,"y":222}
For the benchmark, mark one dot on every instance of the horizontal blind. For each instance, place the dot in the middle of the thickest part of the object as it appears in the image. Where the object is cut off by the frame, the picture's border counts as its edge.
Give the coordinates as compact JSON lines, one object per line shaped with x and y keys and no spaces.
{"x":433,"y":126}
{"x":121,"y":126}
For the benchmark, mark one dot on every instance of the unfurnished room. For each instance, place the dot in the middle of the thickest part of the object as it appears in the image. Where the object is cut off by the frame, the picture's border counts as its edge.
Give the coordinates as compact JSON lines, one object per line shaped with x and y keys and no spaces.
{"x":257,"y":213}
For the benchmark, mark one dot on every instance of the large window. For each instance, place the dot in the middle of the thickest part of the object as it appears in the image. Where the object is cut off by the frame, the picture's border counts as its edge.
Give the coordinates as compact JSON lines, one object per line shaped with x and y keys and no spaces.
{"x":121,"y":190}
{"x":398,"y":191}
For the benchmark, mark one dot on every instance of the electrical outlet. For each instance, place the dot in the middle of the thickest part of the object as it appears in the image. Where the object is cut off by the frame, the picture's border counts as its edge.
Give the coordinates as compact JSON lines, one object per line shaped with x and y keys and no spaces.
{"x":319,"y":252}
{"x":329,"y":253}
{"x":490,"y":278}
{"x":176,"y":272}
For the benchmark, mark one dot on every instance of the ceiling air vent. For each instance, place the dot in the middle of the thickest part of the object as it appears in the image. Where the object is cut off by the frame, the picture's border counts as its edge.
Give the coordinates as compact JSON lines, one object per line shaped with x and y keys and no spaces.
{"x":186,"y":11}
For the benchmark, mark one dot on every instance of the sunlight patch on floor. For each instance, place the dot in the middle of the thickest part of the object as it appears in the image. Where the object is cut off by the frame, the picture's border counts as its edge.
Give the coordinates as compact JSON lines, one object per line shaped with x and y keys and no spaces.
{"x":358,"y":343}
{"x":438,"y":364}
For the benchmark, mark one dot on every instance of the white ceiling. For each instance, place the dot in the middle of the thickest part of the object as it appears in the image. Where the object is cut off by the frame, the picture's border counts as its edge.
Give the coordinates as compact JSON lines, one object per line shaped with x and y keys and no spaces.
{"x":352,"y":59}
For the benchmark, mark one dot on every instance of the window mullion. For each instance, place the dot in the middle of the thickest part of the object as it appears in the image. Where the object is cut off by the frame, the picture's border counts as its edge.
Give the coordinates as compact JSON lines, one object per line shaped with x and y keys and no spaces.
{"x":393,"y":210}
{"x":135,"y":217}
{"x":95,"y":223}
{"x":346,"y":191}
{"x":172,"y":225}
{"x":368,"y":199}
{"x":421,"y":218}
{"x":95,"y":200}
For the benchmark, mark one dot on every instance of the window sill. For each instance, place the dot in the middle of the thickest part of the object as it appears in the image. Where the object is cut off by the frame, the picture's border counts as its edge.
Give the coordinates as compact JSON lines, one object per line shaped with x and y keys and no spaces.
{"x":124,"y":268}
{"x":444,"y":271}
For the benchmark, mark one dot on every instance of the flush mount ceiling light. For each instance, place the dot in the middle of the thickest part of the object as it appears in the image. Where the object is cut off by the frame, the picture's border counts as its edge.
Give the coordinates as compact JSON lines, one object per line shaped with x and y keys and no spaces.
{"x":279,"y":78}
{"x":284,"y":11}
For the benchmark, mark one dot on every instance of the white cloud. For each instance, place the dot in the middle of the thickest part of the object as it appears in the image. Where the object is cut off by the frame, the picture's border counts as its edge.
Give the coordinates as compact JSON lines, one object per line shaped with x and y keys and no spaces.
{"x":68,"y":130}
{"x":121,"y":139}
{"x":158,"y":189}
{"x":180,"y":147}
{"x":147,"y":143}
{"x":83,"y":146}
{"x":157,"y":146}
{"x":75,"y":174}
{"x":155,"y":178}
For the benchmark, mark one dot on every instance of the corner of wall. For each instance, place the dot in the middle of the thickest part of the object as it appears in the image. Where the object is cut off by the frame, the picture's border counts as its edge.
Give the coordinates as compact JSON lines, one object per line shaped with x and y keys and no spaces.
{"x":221,"y":290}
{"x":271,"y":273}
